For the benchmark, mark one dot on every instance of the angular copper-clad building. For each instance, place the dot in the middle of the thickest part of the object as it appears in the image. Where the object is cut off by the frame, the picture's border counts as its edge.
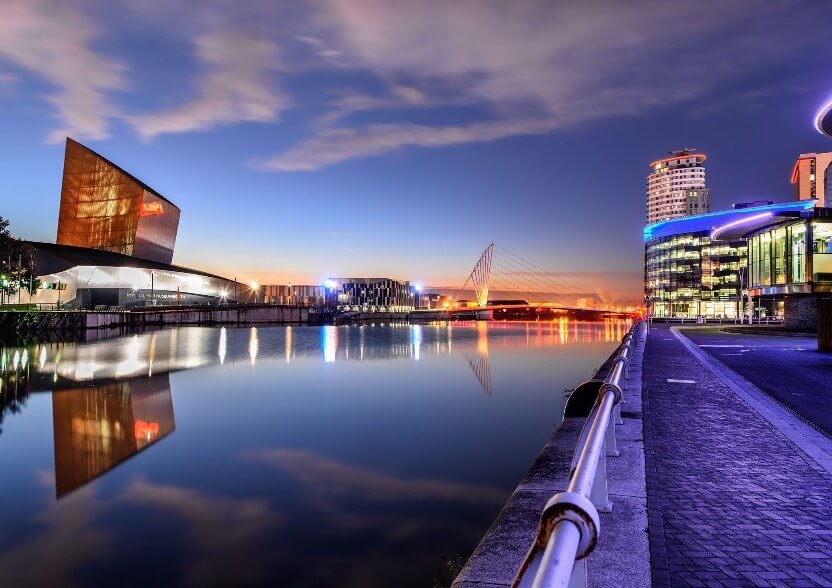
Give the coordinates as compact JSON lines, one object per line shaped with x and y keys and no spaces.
{"x":104,"y":207}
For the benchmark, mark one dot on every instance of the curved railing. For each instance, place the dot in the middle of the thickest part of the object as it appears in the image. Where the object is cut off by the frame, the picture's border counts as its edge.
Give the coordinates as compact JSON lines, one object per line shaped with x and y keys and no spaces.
{"x":569,"y":525}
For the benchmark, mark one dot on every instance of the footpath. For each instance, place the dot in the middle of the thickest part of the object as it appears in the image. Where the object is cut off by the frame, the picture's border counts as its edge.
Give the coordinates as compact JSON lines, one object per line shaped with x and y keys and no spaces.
{"x":739,"y":491}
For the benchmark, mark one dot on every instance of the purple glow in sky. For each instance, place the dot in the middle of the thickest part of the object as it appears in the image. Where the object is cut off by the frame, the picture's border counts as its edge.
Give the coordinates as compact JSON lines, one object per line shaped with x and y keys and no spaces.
{"x":369,"y":137}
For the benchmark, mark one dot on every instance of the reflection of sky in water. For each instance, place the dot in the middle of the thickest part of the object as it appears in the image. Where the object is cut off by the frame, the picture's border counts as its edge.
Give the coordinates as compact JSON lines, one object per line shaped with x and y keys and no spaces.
{"x":298,"y":456}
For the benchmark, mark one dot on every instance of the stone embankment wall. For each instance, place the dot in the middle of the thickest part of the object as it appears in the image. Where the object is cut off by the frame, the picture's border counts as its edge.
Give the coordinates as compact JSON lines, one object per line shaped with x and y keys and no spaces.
{"x":82,"y":320}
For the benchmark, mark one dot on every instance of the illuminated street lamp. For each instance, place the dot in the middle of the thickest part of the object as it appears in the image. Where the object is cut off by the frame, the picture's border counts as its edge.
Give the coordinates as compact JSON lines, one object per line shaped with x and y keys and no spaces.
{"x":330,"y":293}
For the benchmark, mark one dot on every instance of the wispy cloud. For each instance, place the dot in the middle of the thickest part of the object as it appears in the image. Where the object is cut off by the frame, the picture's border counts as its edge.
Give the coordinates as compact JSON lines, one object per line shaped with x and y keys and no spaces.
{"x":336,"y":145}
{"x":537,"y":67}
{"x":69,"y":540}
{"x":521,"y":68}
{"x":228,"y":534}
{"x":235,"y":86}
{"x":329,"y":476}
{"x":53,"y":40}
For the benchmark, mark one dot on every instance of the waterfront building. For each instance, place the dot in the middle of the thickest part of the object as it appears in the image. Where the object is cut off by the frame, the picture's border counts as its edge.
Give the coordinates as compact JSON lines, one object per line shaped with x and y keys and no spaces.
{"x":104,"y":207}
{"x":81,"y":277}
{"x":790,"y":263}
{"x":585,"y":302}
{"x":294,"y":295}
{"x":373,"y":294}
{"x":812,"y":177}
{"x":115,"y":243}
{"x":676,"y":187}
{"x":433,"y":301}
{"x":697,"y":266}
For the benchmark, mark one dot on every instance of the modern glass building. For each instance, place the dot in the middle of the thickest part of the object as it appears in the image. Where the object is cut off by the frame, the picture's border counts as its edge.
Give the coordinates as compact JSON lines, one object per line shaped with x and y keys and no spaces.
{"x":697,"y":266}
{"x":104,"y":207}
{"x":373,"y":294}
{"x":298,"y":295}
{"x":791,"y":266}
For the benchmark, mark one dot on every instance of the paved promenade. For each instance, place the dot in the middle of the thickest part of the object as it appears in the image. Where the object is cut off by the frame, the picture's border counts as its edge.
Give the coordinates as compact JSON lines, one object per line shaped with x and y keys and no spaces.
{"x":732,"y":501}
{"x":787,"y":367}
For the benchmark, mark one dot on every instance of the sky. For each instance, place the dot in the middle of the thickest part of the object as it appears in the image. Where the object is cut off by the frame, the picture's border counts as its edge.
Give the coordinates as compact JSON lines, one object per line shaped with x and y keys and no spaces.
{"x":366,"y":137}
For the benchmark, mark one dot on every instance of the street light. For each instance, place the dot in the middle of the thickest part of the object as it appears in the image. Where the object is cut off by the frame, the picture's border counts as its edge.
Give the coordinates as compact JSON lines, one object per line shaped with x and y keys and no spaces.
{"x":331,"y":285}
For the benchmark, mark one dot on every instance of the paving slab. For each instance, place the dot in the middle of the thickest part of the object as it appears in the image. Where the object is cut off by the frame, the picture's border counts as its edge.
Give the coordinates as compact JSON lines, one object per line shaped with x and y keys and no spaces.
{"x":788,"y":367}
{"x":731,"y":500}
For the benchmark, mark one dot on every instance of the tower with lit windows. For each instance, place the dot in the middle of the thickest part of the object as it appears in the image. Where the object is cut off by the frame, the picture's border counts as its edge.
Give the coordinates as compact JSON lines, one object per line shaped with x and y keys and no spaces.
{"x":812,"y":178}
{"x":676,"y":186}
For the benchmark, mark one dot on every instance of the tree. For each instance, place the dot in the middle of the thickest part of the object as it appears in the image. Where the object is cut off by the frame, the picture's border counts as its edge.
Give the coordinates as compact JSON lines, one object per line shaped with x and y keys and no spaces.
{"x":17,"y":269}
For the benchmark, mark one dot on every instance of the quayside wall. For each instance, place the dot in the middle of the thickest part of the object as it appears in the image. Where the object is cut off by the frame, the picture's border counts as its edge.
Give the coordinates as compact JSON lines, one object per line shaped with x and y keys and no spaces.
{"x":23,"y":321}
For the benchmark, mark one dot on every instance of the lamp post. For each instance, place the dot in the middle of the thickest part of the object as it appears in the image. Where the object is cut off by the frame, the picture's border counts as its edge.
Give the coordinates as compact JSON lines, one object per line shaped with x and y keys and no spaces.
{"x":741,"y":309}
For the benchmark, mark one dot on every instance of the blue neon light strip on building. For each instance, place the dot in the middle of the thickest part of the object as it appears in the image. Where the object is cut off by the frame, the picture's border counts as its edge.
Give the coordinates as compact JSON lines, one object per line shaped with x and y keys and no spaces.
{"x":712,"y":220}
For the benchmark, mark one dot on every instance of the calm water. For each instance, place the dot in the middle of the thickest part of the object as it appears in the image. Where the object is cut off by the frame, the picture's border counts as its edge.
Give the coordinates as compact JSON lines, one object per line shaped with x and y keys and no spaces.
{"x":353,"y":456}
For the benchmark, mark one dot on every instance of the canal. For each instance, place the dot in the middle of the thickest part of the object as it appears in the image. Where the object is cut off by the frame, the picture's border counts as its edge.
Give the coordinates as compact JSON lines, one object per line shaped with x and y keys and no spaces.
{"x":354,"y":456}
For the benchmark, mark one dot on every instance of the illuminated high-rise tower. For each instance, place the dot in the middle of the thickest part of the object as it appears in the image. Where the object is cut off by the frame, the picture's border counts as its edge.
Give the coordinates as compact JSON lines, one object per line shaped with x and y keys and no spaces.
{"x":676,"y":187}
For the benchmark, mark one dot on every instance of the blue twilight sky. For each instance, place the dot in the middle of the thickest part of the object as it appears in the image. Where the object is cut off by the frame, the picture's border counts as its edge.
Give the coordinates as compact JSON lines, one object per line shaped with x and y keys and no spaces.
{"x":338,"y":137}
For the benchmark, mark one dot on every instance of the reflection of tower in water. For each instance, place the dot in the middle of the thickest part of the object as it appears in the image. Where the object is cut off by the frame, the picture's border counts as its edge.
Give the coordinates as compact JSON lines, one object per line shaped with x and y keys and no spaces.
{"x":479,"y":360}
{"x":96,"y":428}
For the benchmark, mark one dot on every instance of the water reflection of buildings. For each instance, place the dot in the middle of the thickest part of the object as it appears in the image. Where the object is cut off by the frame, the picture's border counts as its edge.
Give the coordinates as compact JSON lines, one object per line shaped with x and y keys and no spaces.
{"x":112,"y":399}
{"x":55,"y":366}
{"x":97,"y":428}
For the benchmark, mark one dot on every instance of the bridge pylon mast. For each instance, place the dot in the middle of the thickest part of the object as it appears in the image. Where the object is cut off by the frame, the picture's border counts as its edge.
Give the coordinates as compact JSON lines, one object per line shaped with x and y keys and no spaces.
{"x":480,"y":277}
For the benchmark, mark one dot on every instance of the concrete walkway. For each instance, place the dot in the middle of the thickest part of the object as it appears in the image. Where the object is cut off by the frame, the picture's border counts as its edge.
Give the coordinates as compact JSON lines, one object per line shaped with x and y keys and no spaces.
{"x":732,"y":500}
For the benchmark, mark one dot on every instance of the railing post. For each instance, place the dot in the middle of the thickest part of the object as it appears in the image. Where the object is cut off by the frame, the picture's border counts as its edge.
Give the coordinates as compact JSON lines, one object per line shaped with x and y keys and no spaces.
{"x":578,"y":578}
{"x":612,"y":447}
{"x":599,"y":495}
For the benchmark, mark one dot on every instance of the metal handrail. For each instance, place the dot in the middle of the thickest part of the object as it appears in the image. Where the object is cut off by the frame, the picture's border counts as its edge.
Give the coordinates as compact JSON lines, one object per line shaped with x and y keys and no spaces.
{"x":569,"y":524}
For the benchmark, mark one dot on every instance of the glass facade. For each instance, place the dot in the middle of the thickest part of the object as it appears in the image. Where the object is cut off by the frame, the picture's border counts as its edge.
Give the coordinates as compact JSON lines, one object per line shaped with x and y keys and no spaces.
{"x":783,"y":255}
{"x":375,"y":295}
{"x":104,"y":207}
{"x":689,"y":275}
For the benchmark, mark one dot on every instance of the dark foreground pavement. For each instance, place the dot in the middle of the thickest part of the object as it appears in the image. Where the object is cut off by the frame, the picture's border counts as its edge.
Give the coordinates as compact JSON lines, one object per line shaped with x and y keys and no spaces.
{"x":731,"y":500}
{"x":787,"y":368}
